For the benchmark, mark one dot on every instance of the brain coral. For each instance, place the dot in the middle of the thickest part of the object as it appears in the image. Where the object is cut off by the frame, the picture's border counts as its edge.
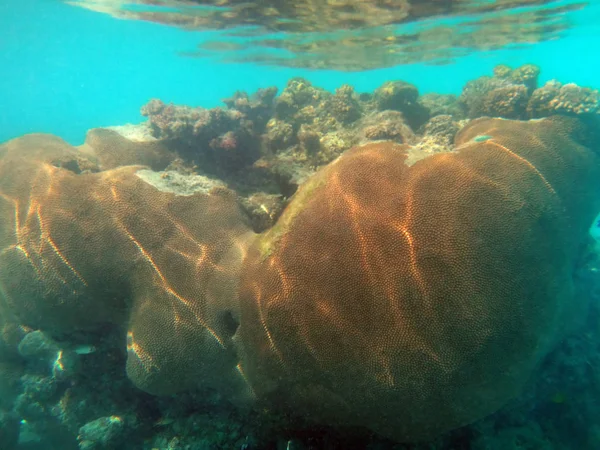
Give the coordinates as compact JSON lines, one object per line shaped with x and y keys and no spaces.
{"x":113,"y":150}
{"x":413,"y":300}
{"x":406,"y":297}
{"x":83,"y":248}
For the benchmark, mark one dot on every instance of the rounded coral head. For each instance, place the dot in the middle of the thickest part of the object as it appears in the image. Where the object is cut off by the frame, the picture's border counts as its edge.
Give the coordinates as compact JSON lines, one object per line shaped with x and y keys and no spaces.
{"x":415,"y":299}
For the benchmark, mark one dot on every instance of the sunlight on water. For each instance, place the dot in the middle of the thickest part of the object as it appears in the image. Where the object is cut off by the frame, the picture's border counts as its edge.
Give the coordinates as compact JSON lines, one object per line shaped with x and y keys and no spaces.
{"x":352,"y":35}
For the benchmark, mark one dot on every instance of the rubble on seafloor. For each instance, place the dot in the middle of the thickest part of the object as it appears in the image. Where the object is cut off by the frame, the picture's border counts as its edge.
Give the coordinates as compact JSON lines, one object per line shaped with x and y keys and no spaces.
{"x":70,"y":391}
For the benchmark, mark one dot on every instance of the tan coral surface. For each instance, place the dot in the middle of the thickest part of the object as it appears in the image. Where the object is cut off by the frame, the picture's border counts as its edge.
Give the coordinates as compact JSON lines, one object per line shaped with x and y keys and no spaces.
{"x":409,"y":299}
{"x":414,"y":300}
{"x":85,"y":248}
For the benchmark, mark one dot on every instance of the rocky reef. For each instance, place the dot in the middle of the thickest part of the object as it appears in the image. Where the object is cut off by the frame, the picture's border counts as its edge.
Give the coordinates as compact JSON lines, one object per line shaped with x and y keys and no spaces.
{"x":311,"y":269}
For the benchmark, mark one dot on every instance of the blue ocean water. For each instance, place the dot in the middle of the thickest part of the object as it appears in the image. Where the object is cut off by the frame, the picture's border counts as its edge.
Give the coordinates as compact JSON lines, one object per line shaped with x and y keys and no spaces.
{"x":341,"y":263}
{"x":66,"y":70}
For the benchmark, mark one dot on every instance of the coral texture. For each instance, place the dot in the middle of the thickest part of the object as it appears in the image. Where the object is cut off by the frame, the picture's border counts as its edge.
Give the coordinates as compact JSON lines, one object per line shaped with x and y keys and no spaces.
{"x":409,"y":287}
{"x":569,"y":99}
{"x":85,"y":249}
{"x":113,"y":150}
{"x":414,"y":300}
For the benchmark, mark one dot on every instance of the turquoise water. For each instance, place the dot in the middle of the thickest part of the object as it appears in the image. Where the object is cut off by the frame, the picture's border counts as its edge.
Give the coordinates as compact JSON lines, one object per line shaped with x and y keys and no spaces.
{"x":67,"y":70}
{"x":299,"y":225}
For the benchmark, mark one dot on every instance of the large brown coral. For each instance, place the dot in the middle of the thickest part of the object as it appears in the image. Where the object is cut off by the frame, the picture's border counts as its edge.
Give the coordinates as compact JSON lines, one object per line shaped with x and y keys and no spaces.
{"x":413,"y":300}
{"x":408,"y":295}
{"x":84,"y":249}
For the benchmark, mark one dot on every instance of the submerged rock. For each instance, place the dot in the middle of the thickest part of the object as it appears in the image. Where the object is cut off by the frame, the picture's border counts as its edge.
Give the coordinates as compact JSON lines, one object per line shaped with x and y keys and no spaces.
{"x":60,"y":362}
{"x":104,"y":433}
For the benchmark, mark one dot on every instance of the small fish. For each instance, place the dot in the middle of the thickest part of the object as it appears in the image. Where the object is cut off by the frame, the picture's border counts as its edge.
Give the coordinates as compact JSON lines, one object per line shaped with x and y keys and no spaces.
{"x":482,"y":138}
{"x":85,"y":349}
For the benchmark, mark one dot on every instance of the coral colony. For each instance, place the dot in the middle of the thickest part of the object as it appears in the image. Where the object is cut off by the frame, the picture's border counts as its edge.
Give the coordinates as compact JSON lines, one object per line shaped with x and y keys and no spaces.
{"x":308,"y":270}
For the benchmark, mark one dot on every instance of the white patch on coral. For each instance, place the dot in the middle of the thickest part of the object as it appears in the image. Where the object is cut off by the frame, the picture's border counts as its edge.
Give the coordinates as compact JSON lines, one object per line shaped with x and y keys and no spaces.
{"x":140,"y":132}
{"x":177,"y":183}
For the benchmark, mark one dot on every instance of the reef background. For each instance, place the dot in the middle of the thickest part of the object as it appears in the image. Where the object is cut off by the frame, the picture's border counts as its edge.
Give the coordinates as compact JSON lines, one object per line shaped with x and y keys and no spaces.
{"x":67,"y":70}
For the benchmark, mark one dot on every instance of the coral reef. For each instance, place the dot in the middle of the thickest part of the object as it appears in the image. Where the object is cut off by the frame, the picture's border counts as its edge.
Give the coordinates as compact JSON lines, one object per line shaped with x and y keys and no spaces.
{"x":438,"y":104}
{"x":386,"y":125}
{"x":504,"y":95}
{"x":279,"y":140}
{"x":223,"y":138}
{"x":304,"y":126}
{"x":556,"y":98}
{"x":59,"y":274}
{"x":437,"y":135}
{"x":402,"y":96}
{"x":526,"y":75}
{"x":378,"y":275}
{"x":312,"y":262}
{"x":513,"y":94}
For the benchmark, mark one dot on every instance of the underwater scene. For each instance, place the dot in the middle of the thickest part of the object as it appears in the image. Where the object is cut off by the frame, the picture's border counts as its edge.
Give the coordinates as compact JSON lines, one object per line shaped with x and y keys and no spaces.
{"x":299,"y":225}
